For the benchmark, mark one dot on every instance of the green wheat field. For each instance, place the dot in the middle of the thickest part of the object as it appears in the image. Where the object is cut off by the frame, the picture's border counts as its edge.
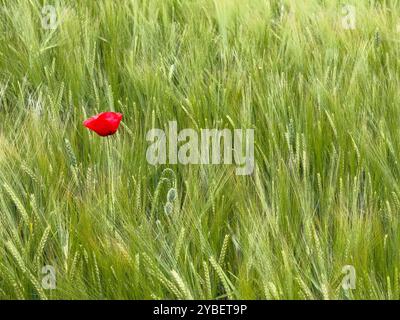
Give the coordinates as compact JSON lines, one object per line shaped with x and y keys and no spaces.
{"x":324,"y":196}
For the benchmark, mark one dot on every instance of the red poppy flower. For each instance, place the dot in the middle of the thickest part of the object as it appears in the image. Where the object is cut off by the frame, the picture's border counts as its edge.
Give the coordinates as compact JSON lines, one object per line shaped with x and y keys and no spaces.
{"x":104,"y":124}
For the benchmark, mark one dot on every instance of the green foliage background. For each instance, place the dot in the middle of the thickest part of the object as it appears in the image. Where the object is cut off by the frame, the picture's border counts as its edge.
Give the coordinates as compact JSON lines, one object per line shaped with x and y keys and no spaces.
{"x":325,"y":106}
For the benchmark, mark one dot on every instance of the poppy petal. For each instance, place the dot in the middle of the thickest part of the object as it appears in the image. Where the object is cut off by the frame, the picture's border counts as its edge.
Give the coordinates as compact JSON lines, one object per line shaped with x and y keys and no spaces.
{"x":105,"y":123}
